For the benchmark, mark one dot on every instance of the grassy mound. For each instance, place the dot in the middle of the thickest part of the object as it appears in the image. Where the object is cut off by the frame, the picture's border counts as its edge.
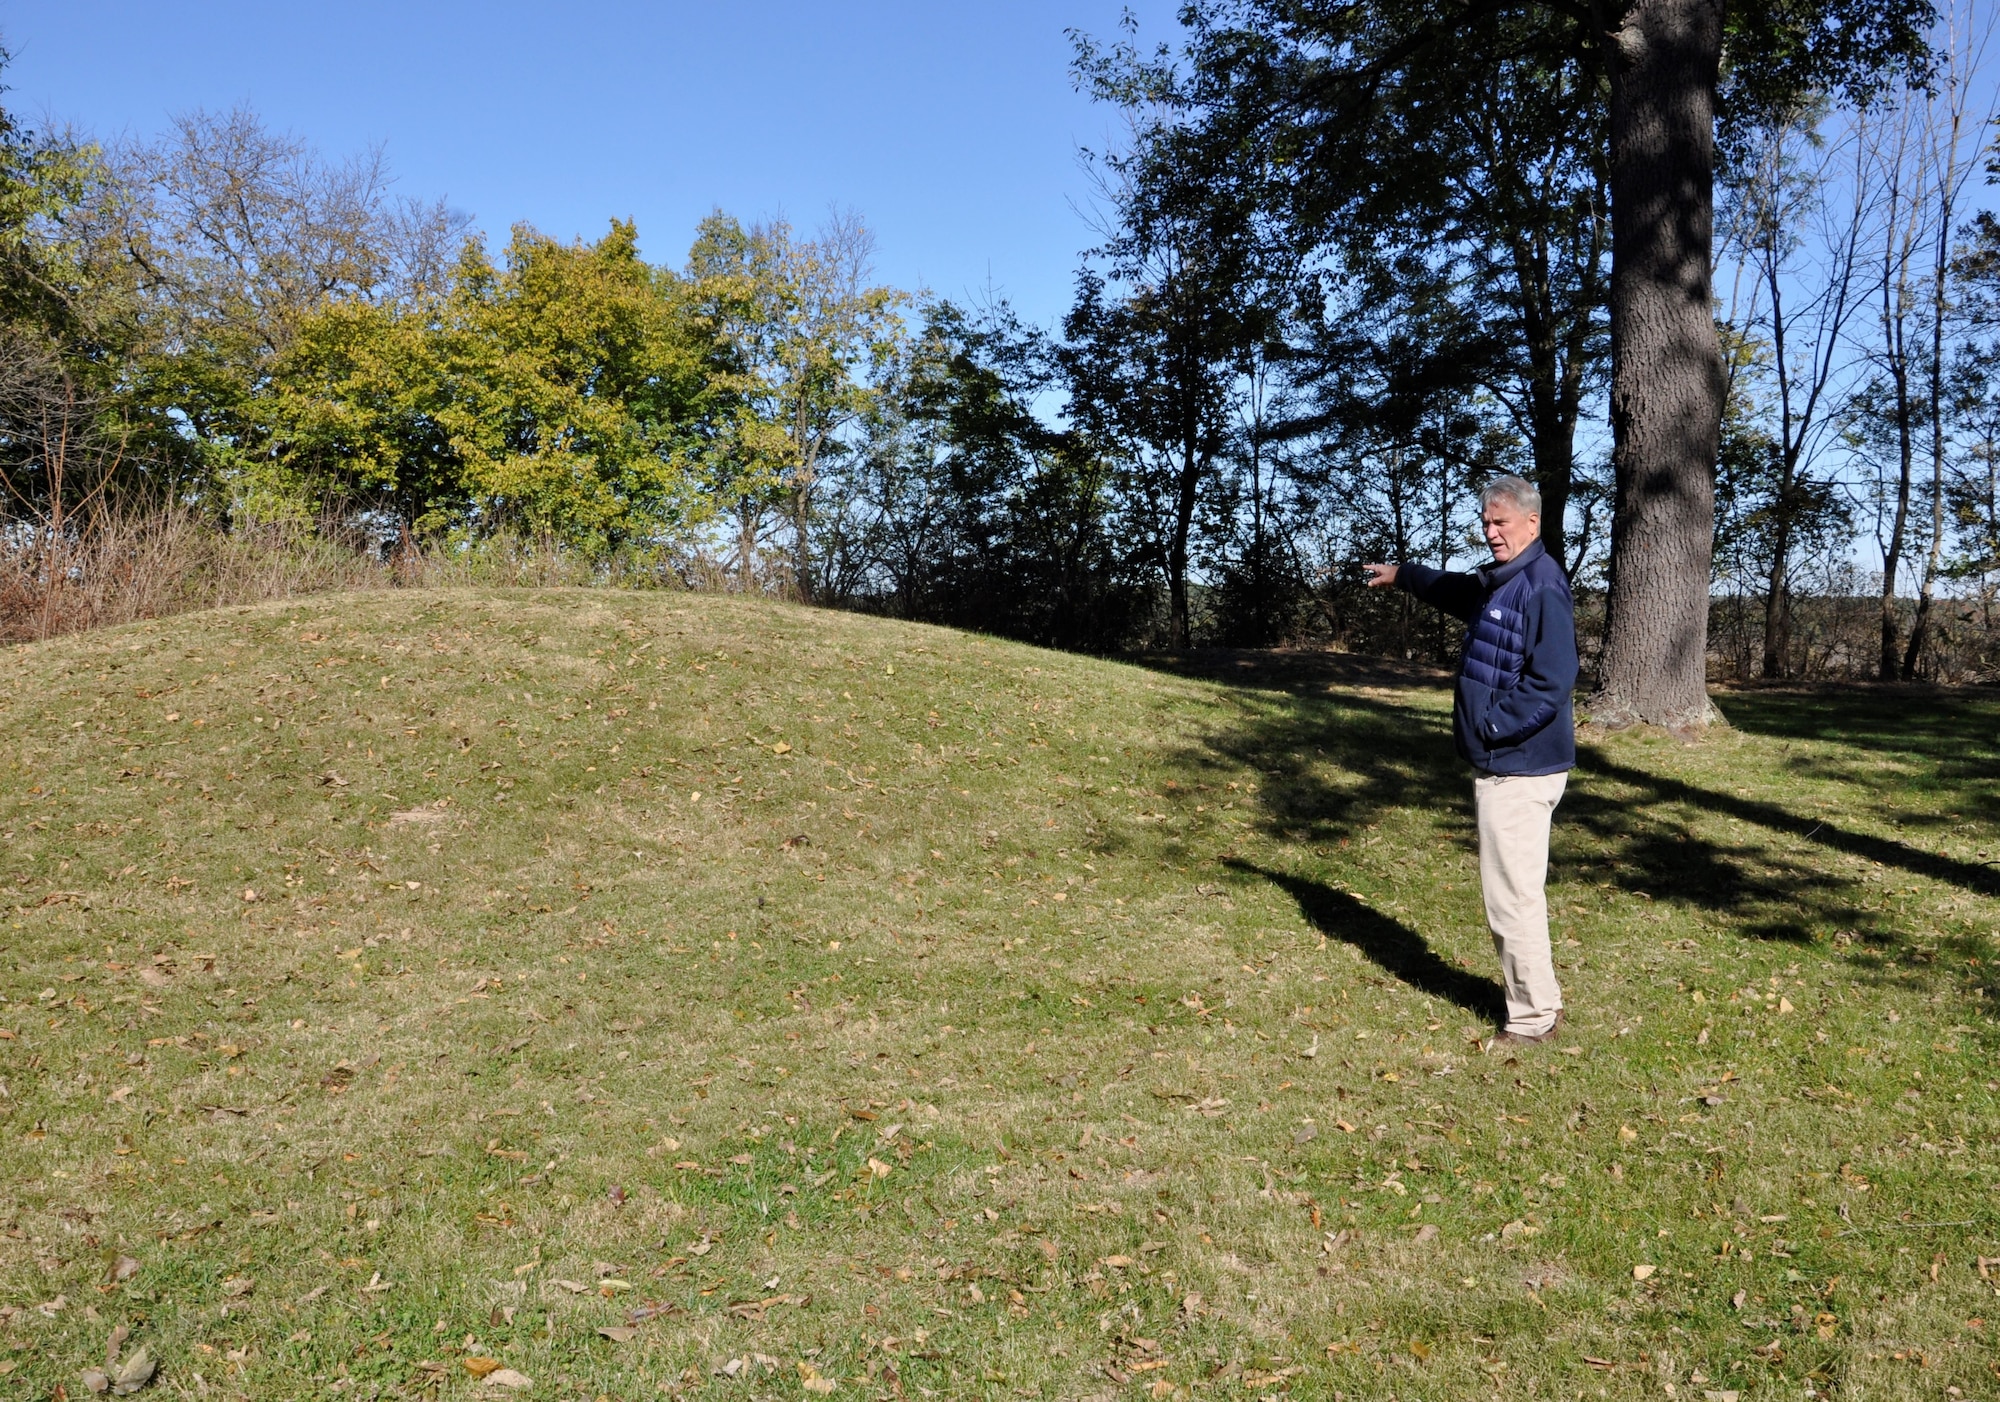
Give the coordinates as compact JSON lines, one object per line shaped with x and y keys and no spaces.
{"x":650,"y":993}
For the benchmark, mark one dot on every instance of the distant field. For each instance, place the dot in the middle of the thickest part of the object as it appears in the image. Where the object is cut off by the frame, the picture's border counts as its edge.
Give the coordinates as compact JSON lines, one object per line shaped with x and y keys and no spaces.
{"x":672,"y":994}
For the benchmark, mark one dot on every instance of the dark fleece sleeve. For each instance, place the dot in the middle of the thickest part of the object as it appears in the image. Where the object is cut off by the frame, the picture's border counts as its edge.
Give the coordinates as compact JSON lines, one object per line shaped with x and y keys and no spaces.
{"x":1548,"y":676}
{"x":1457,"y":594}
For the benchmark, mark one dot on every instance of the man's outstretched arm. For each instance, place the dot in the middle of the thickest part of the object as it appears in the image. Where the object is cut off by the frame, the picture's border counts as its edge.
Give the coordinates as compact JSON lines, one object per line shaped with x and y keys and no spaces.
{"x":1457,"y":594}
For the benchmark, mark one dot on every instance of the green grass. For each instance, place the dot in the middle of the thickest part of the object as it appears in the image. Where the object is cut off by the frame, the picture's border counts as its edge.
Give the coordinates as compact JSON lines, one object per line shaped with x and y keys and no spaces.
{"x":996,"y":1023}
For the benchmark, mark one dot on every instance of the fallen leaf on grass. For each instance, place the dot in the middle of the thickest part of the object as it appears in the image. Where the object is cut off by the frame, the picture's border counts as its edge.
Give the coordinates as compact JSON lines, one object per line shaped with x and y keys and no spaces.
{"x":755,"y":1309}
{"x":479,"y":1366}
{"x":507,"y":1377}
{"x":134,"y":1373}
{"x":1642,"y":1272}
{"x":238,"y":1285}
{"x":1426,"y":1233}
{"x":653,"y":1310}
{"x":618,"y":1333}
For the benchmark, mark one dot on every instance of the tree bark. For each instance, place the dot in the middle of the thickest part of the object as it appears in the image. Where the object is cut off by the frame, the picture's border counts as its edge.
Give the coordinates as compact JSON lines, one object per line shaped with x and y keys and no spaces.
{"x":1890,"y":662}
{"x":1666,"y":364}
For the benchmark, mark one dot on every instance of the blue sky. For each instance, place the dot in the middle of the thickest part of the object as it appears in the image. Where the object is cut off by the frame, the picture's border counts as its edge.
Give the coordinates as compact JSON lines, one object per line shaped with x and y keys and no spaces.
{"x":951,"y":128}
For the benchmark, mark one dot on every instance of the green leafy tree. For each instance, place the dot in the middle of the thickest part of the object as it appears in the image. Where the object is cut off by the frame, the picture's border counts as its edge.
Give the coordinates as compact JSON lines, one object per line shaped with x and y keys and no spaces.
{"x":806,"y":341}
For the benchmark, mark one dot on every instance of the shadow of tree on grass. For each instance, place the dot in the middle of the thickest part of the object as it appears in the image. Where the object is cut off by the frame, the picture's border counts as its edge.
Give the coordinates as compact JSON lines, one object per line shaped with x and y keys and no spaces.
{"x":1342,"y":746}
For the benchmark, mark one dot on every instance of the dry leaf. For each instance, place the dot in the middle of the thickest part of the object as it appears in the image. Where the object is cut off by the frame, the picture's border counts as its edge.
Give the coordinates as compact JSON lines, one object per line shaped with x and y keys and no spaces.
{"x":238,"y":1285}
{"x":1643,"y":1272}
{"x":507,"y":1377}
{"x":95,"y":1381}
{"x":878,"y":1169}
{"x":619,"y":1333}
{"x":135,"y":1372}
{"x":479,"y":1366}
{"x":1426,"y":1233}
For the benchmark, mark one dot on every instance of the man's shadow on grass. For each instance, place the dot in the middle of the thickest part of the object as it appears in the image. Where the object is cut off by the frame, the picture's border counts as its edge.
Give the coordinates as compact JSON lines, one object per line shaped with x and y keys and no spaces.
{"x":1393,"y":947}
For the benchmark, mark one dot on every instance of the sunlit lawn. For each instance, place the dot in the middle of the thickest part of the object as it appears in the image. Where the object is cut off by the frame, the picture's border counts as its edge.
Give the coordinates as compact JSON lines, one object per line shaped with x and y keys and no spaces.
{"x":647,"y":993}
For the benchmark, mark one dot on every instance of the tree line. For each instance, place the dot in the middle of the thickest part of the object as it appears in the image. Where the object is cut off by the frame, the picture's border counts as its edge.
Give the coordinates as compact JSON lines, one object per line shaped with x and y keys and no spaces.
{"x":1707,"y":275}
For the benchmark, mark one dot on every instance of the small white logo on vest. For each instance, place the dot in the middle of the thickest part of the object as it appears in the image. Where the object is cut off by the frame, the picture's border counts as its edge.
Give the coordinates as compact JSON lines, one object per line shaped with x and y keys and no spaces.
{"x":1495,"y":613}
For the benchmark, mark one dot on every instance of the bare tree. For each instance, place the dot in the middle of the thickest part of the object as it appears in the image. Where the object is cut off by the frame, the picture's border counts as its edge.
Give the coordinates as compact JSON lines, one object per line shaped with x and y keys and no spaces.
{"x":1923,"y":152}
{"x":239,"y":231}
{"x":1957,"y":138}
{"x":1800,"y":251}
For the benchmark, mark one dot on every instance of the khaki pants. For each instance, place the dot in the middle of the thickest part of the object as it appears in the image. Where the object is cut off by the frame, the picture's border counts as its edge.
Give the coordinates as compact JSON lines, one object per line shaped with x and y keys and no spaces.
{"x":1514,"y":815}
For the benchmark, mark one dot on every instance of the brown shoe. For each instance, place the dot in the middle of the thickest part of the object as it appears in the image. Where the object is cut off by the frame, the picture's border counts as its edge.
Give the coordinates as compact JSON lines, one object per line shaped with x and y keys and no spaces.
{"x":1528,"y":1039}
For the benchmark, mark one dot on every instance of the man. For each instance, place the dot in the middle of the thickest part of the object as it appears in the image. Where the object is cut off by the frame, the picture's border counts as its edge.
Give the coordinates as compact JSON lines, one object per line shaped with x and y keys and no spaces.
{"x":1513,"y":722}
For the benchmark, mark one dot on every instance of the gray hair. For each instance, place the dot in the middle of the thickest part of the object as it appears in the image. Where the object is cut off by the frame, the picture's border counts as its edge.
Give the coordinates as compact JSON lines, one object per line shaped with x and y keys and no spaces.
{"x":1518,"y":490}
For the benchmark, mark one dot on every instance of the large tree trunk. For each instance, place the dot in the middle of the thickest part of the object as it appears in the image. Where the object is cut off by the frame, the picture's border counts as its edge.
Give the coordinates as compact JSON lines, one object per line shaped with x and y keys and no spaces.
{"x":1666,"y":364}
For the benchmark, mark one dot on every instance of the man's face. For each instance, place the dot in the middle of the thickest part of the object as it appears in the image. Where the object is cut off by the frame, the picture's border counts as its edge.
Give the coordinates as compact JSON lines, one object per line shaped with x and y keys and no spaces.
{"x":1509,"y":530}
